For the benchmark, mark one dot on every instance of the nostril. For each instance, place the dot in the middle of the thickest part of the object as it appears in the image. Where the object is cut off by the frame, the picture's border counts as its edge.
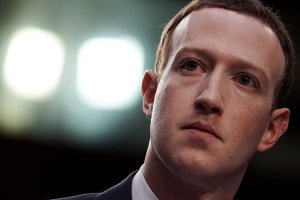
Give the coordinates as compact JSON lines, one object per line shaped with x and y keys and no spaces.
{"x":206,"y":108}
{"x":200,"y":107}
{"x":215,"y":110}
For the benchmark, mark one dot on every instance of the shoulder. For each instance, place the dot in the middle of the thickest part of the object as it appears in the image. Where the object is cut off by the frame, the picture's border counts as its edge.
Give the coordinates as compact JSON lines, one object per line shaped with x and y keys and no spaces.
{"x":89,"y":196}
{"x":117,"y":192}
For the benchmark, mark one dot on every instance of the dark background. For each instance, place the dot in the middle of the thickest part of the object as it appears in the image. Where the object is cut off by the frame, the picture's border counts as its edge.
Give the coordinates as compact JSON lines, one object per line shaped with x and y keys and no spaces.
{"x":32,"y":167}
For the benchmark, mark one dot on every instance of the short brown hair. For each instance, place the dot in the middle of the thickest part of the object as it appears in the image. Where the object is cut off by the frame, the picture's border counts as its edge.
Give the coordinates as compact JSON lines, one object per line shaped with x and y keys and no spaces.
{"x":252,"y":8}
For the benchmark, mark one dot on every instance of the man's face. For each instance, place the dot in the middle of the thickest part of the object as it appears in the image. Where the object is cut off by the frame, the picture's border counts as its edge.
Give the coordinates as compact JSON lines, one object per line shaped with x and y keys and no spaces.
{"x":212,"y":107}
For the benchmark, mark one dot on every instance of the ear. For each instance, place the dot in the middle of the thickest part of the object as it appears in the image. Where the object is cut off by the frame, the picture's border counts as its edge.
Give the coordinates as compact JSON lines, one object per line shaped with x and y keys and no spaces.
{"x":278,"y":124}
{"x":149,"y":86}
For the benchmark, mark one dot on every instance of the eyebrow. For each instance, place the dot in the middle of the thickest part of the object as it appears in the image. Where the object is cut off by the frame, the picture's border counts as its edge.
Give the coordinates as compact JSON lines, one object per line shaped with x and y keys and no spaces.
{"x":209,"y":56}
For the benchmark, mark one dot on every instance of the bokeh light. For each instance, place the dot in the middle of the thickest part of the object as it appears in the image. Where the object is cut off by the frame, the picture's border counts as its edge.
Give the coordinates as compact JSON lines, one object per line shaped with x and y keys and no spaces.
{"x":109,"y":72}
{"x":34,"y":63}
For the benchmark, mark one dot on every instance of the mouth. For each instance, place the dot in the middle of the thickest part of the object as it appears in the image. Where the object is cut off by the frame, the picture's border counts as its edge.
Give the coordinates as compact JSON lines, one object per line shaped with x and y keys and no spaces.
{"x":200,"y":128}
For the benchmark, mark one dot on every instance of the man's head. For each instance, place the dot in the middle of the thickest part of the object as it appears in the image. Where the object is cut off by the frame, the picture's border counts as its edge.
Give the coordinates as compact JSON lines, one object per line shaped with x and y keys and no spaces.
{"x":252,"y":8}
{"x":211,"y":101}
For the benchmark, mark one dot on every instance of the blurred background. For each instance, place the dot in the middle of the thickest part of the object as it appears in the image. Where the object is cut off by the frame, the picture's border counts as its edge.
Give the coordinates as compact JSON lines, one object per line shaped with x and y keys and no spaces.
{"x":71,"y":117}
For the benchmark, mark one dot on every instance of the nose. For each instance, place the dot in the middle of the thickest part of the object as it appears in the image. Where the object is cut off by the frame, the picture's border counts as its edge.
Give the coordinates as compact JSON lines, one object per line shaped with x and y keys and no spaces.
{"x":210,"y":98}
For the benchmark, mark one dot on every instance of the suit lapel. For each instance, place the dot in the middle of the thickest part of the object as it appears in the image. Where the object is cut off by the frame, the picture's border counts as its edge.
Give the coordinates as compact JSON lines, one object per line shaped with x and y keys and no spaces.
{"x":121,"y":191}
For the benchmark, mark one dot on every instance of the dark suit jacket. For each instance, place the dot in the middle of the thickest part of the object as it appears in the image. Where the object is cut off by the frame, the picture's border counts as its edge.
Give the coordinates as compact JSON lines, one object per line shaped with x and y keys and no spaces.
{"x":121,"y":191}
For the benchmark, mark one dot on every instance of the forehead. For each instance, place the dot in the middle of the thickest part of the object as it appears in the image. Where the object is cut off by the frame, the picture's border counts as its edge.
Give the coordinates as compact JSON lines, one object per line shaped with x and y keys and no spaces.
{"x":231,"y":35}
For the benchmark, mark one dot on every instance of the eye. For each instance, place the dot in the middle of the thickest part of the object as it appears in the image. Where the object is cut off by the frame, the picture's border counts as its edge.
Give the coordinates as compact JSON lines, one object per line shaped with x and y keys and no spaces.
{"x":191,"y":66}
{"x":247,"y":80}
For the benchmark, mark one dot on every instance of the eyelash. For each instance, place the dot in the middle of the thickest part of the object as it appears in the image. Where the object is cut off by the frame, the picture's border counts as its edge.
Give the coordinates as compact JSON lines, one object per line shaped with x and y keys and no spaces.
{"x":191,"y":61}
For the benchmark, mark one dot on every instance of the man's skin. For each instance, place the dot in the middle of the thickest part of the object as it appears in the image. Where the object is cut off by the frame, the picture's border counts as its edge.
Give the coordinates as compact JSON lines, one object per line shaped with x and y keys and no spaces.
{"x":211,"y":108}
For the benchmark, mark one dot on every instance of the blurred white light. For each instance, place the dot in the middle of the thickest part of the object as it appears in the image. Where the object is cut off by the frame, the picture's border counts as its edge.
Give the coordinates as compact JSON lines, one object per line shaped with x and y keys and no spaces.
{"x":34,"y":63}
{"x":109,"y":72}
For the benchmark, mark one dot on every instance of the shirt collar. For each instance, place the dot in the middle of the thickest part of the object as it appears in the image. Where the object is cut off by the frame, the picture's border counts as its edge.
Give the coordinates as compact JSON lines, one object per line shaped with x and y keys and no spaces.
{"x":140,"y":188}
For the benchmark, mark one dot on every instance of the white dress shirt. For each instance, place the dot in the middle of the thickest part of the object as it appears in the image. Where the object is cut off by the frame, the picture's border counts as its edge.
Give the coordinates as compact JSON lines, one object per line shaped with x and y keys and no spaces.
{"x":140,"y":188}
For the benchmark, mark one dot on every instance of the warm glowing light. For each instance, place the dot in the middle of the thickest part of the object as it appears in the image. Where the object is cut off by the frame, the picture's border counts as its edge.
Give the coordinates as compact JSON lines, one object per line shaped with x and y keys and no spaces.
{"x":16,"y":116}
{"x":109,"y":72}
{"x":34,"y":63}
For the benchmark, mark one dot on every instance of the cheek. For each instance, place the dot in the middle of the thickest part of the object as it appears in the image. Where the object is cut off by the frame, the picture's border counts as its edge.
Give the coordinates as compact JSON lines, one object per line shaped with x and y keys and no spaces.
{"x":244,"y":133}
{"x":171,"y":97}
{"x":170,"y":104}
{"x":161,"y":114}
{"x":250,"y":111}
{"x":249,"y":126}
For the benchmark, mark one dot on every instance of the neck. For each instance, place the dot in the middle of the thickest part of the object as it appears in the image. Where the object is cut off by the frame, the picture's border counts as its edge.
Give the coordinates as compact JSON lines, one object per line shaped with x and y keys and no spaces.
{"x":167,"y":185}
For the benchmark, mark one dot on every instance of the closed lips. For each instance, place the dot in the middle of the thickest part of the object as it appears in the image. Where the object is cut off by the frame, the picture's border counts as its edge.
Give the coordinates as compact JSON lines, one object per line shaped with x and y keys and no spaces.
{"x":202,"y":128}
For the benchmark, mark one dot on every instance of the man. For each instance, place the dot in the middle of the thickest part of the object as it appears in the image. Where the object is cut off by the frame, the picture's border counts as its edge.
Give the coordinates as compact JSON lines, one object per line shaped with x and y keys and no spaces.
{"x":223,"y":70}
